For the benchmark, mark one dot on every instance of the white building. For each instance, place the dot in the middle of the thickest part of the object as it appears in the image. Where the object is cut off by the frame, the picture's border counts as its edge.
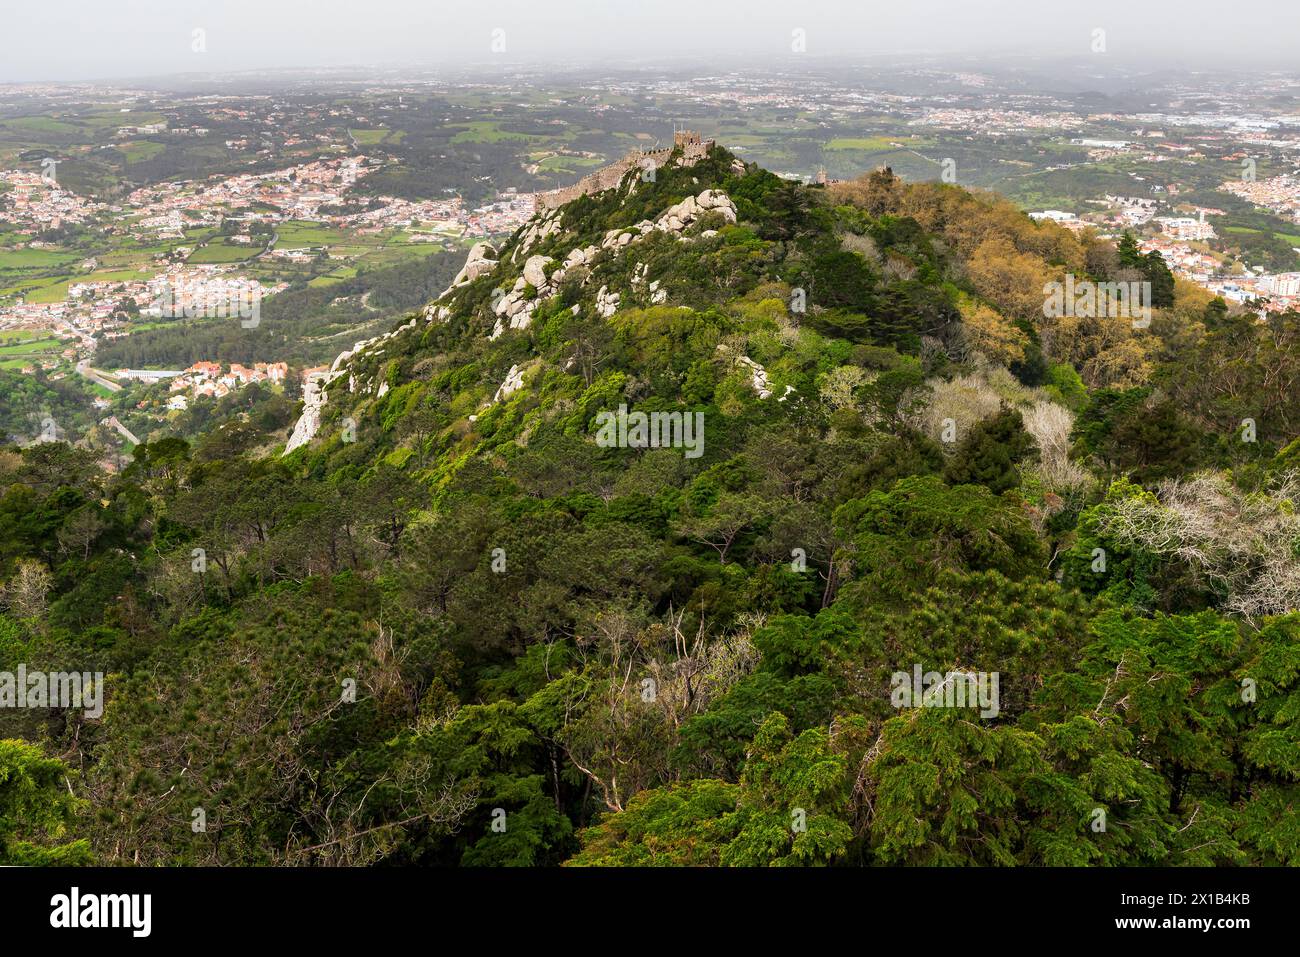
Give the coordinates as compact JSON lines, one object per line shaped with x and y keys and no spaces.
{"x":1055,"y":215}
{"x":1283,"y":284}
{"x":1185,"y":228}
{"x":147,"y":375}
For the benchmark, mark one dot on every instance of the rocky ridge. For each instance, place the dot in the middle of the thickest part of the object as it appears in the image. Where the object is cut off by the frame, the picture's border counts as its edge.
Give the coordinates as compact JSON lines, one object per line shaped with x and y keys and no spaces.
{"x":515,"y":305}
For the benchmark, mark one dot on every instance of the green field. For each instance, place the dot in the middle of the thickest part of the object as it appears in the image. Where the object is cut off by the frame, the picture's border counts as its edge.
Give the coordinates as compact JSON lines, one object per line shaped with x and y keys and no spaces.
{"x":19,"y":259}
{"x":64,"y":126}
{"x":116,"y":119}
{"x":569,"y":164}
{"x":20,"y":347}
{"x":31,"y":347}
{"x":41,"y":124}
{"x":377,"y":136}
{"x":488,"y":131}
{"x":876,"y":144}
{"x":10,"y":336}
{"x":335,"y":277}
{"x":139,"y":150}
{"x":297,"y":233}
{"x":56,"y":289}
{"x":1292,"y":238}
{"x":219,"y":251}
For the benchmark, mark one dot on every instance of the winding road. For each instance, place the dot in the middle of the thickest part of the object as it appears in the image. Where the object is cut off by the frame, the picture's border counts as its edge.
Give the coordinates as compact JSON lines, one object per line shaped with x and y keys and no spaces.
{"x":97,"y":377}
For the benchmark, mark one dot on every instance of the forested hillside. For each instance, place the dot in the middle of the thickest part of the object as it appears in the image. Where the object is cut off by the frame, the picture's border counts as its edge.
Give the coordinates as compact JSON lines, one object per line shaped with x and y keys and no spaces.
{"x":460,"y":628}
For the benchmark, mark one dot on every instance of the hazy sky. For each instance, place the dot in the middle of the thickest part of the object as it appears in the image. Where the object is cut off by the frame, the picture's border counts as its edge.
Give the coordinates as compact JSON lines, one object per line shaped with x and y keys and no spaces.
{"x":85,"y":39}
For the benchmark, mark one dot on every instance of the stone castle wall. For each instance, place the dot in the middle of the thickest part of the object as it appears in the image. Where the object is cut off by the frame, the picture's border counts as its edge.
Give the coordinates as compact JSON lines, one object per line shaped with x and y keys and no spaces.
{"x":607,"y":177}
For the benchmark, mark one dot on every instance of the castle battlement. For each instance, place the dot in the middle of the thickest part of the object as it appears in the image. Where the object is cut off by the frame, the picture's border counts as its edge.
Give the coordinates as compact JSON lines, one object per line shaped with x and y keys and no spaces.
{"x":692,"y":147}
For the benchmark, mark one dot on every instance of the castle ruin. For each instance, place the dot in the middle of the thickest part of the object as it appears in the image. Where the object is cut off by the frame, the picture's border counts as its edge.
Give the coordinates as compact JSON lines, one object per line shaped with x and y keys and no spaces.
{"x":693,"y":149}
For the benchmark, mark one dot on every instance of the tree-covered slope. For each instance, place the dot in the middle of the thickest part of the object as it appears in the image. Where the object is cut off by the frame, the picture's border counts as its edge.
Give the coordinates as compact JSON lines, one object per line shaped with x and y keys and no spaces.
{"x":465,"y":621}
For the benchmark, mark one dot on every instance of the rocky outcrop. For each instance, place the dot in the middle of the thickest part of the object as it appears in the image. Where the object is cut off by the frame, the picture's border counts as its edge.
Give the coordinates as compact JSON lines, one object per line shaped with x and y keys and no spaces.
{"x":606,"y":302}
{"x":314,"y":395}
{"x":677,"y":218}
{"x":757,"y":375}
{"x":535,"y":270}
{"x":618,"y":238}
{"x":539,"y":281}
{"x":580,"y":257}
{"x":313,"y":401}
{"x":482,"y":260}
{"x":639,"y":276}
{"x":514,"y":309}
{"x":539,"y":229}
{"x":513,"y":383}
